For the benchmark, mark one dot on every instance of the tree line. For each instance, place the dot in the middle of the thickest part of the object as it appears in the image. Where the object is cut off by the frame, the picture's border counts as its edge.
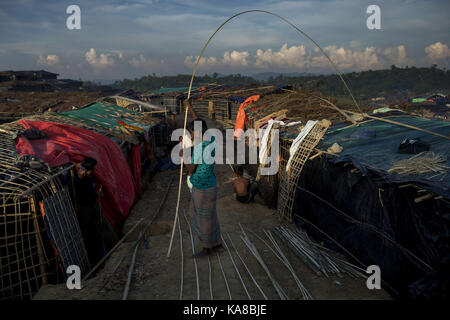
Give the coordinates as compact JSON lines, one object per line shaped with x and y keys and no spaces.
{"x":365,"y":84}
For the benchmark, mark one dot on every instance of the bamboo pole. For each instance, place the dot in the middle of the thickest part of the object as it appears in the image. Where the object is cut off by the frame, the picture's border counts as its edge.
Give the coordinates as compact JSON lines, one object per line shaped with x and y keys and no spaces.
{"x":40,"y":249}
{"x":36,"y":186}
{"x":195,"y":70}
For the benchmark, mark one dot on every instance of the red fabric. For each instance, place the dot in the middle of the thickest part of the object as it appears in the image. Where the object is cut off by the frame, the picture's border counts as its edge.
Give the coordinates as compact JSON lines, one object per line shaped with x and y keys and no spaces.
{"x":67,"y":143}
{"x":136,"y":167}
{"x":241,"y":118}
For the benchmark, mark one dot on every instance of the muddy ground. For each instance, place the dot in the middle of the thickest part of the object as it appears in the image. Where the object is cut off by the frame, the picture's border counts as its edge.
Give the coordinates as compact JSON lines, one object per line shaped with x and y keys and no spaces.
{"x":159,"y":277}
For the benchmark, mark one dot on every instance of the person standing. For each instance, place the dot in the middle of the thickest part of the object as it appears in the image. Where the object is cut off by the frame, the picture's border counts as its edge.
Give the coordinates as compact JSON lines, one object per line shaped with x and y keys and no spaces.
{"x":202,"y":206}
{"x":97,"y":233}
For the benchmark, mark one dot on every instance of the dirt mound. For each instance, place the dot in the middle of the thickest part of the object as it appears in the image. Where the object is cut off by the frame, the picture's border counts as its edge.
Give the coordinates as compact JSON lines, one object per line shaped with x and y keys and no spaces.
{"x":20,"y":103}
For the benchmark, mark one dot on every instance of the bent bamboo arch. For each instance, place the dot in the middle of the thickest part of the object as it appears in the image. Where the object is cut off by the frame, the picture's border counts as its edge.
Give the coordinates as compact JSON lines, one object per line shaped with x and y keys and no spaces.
{"x":195,"y":70}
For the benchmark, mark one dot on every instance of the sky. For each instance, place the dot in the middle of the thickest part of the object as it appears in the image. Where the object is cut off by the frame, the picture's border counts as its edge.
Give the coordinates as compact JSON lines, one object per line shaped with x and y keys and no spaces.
{"x":129,"y":39}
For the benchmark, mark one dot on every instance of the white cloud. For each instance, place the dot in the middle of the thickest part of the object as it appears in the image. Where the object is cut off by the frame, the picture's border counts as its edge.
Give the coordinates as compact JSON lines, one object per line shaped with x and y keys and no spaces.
{"x":207,"y":63}
{"x":437,"y":51}
{"x":347,"y":59}
{"x":354,"y":44}
{"x":143,"y":62}
{"x":299,"y":58}
{"x":120,"y":8}
{"x":396,"y":56}
{"x":50,"y":60}
{"x":103,"y":60}
{"x":368,"y":58}
{"x":234,"y":59}
{"x":117,"y":53}
{"x":295,"y":56}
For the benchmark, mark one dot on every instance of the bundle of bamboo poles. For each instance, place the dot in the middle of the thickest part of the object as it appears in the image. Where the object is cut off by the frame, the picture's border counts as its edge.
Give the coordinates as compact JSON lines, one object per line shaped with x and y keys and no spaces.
{"x":421,"y":163}
{"x":320,"y":259}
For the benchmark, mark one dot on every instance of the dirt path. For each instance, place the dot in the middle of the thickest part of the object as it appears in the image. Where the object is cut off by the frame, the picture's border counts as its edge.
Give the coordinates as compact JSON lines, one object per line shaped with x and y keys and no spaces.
{"x":158,"y":277}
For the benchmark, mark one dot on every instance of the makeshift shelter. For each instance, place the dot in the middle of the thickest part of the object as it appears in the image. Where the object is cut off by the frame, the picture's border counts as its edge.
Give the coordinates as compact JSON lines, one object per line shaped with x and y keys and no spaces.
{"x":359,"y":191}
{"x":39,"y":232}
{"x":220,"y":102}
{"x":362,"y":203}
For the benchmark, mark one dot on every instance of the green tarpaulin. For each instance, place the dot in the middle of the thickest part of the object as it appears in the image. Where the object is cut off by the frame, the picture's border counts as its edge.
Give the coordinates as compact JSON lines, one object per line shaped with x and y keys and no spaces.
{"x":170,"y":90}
{"x":104,"y":114}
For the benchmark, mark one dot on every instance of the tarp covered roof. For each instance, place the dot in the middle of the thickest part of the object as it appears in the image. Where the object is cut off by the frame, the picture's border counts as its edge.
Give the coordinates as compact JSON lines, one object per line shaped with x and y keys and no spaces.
{"x":380,"y":149}
{"x":105,"y":114}
{"x":65,"y":143}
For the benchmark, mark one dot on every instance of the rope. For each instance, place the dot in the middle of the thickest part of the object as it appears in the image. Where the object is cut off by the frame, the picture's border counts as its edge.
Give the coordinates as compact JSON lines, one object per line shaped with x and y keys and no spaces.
{"x":192,"y":80}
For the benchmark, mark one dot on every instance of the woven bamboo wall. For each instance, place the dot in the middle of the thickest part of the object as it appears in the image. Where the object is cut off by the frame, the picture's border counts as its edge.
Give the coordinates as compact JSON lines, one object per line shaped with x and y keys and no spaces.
{"x":26,"y":259}
{"x":39,"y":232}
{"x":288,"y":179}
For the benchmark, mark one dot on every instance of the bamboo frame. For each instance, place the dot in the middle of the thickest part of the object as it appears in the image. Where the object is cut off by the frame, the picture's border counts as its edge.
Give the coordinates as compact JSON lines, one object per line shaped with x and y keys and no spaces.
{"x":288,"y":180}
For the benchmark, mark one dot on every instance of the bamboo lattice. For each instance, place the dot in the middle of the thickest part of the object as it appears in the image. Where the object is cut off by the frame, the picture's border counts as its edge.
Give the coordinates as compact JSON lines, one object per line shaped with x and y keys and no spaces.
{"x":288,"y":180}
{"x":28,"y":259}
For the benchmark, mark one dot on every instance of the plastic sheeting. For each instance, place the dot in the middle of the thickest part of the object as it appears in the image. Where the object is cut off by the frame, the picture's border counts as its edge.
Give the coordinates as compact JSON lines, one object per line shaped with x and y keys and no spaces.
{"x":296,"y":143}
{"x":369,"y":206}
{"x":105,"y":114}
{"x":381,"y":151}
{"x":136,"y":167}
{"x":241,"y":118}
{"x":265,"y":139}
{"x":67,"y":143}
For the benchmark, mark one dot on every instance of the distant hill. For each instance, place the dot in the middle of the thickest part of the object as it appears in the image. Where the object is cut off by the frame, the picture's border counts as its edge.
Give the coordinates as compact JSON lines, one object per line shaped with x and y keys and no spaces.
{"x":265,"y":76}
{"x":152,"y":82}
{"x":372,"y":83}
{"x":103,"y":82}
{"x":364,"y":85}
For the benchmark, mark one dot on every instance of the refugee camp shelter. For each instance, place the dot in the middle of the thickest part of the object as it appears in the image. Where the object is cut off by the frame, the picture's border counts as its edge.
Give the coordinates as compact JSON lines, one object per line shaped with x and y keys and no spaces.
{"x":169,"y":98}
{"x":383,"y":200}
{"x":39,"y":230}
{"x":374,"y":190}
{"x":39,"y":234}
{"x":220,"y":102}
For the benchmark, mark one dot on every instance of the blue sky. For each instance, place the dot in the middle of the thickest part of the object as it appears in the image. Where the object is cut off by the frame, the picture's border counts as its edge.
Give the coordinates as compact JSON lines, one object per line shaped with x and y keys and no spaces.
{"x":121,"y":39}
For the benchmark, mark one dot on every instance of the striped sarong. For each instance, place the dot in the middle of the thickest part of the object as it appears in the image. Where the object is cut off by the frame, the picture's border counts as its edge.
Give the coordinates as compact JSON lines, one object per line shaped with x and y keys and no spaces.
{"x":203,"y":215}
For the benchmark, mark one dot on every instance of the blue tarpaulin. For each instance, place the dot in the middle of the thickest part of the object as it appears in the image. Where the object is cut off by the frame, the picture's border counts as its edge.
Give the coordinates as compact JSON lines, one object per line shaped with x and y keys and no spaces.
{"x":380,"y":151}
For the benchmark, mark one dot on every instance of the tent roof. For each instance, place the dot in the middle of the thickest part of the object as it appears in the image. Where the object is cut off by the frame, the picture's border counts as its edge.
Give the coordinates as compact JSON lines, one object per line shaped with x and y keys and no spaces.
{"x":380,"y":152}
